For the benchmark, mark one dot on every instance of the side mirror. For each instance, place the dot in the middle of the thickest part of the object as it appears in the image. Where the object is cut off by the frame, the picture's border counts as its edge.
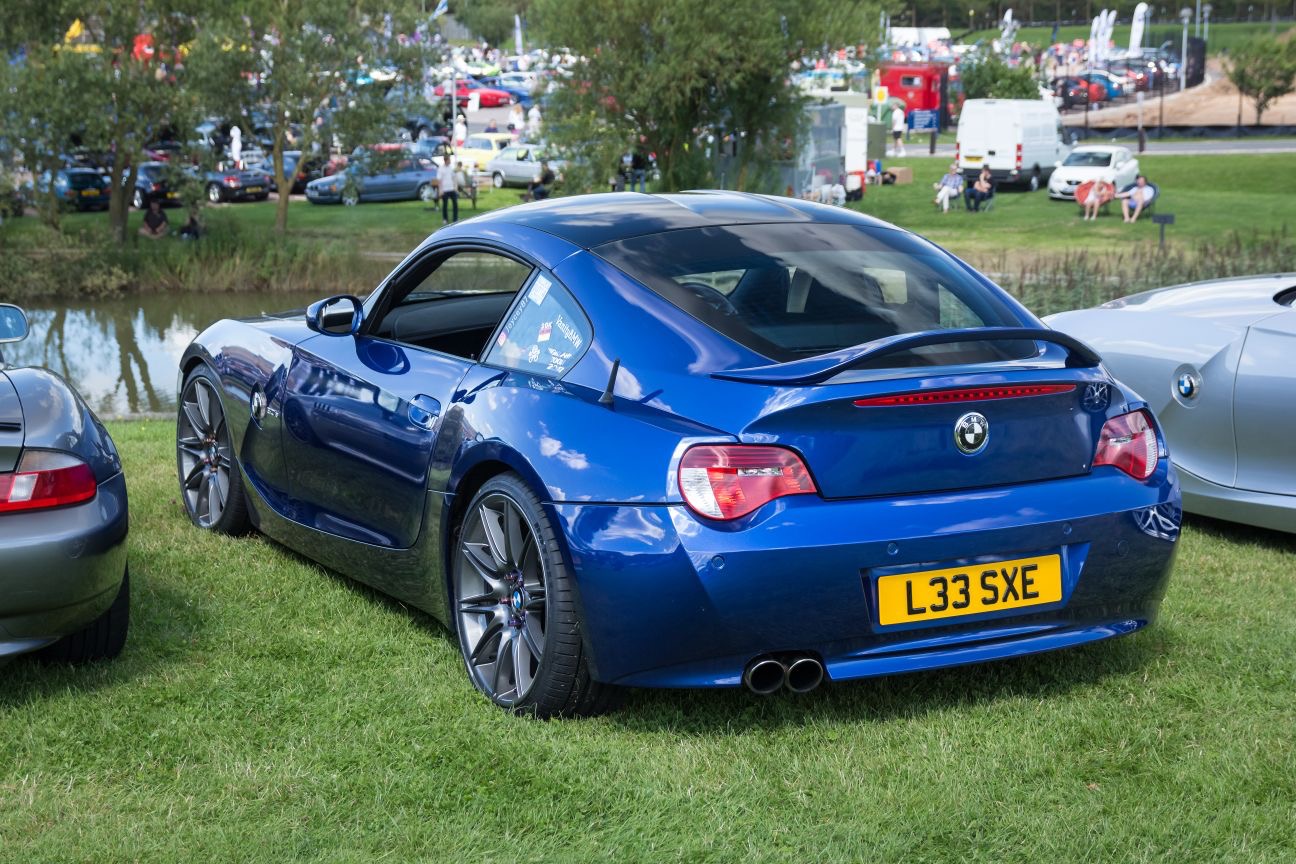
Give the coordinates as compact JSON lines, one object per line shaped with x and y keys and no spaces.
{"x":1057,"y":164}
{"x":335,"y":316}
{"x":13,"y":323}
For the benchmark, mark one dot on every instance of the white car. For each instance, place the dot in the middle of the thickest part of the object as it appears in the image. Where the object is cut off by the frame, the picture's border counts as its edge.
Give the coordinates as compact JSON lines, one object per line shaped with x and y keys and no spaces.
{"x":1090,"y":162}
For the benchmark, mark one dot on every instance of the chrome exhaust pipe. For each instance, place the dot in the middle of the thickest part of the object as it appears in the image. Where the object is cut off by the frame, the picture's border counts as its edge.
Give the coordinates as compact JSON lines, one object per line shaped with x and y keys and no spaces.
{"x":804,"y":674}
{"x":765,"y":676}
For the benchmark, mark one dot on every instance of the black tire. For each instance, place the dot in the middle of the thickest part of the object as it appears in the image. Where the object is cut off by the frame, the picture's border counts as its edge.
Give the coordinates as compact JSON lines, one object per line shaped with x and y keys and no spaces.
{"x":214,"y":193}
{"x":498,"y":180}
{"x":1035,"y":181}
{"x":101,"y":639}
{"x":561,"y":685}
{"x":262,"y":197}
{"x":137,"y":200}
{"x":197,"y":436}
{"x":426,"y":193}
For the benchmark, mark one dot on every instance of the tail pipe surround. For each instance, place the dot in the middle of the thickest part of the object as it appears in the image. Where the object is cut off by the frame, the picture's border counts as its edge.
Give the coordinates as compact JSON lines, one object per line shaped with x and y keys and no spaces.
{"x":800,"y":673}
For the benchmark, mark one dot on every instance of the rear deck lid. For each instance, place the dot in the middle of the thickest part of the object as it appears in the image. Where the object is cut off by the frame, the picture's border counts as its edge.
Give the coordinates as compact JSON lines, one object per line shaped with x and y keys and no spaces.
{"x":11,"y":425}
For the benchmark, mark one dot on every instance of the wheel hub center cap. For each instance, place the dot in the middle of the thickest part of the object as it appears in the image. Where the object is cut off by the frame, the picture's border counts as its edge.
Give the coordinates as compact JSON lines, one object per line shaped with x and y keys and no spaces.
{"x":517,"y":600}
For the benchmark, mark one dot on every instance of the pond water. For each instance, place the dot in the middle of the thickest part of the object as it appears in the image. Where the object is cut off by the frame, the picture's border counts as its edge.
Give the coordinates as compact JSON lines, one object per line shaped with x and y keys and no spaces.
{"x":122,"y":354}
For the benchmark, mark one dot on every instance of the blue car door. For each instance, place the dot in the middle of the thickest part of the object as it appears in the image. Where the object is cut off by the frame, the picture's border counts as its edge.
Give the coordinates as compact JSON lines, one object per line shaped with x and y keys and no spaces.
{"x":363,"y":412}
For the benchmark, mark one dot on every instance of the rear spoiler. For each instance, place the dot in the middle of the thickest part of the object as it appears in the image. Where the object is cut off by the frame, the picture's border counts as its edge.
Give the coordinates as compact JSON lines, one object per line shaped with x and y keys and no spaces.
{"x":817,"y":370}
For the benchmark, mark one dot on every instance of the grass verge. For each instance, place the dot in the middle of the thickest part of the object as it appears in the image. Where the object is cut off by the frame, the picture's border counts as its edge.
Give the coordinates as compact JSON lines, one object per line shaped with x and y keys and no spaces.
{"x":267,"y":710}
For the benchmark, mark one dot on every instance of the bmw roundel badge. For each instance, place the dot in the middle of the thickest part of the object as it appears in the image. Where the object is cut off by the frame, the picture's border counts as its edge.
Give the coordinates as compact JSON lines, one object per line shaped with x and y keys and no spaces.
{"x":971,"y":433}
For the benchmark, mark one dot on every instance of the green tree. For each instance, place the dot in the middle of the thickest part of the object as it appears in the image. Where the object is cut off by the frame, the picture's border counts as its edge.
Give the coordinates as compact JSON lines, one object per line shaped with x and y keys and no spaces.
{"x":991,"y":78}
{"x":109,"y":95}
{"x":298,"y":72}
{"x":492,"y":20}
{"x":1263,"y":70}
{"x":682,"y":78}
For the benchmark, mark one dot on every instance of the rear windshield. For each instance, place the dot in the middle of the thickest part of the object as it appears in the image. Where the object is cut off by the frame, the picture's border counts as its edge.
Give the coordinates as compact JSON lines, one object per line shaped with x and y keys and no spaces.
{"x":790,"y":290}
{"x":84,"y":180}
{"x":1088,"y":160}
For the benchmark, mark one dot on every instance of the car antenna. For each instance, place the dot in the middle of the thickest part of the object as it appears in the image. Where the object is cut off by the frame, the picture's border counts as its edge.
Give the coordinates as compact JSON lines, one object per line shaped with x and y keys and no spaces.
{"x":606,"y":398}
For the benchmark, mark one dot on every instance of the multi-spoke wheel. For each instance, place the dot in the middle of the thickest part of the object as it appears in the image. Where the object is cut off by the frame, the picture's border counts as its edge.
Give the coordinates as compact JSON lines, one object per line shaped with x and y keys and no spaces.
{"x":514,"y":607}
{"x":210,"y":484}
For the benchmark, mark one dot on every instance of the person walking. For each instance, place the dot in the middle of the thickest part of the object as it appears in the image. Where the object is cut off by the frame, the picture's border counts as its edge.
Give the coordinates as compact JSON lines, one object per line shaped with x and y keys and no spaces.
{"x":448,"y":190}
{"x":516,"y":119}
{"x":898,"y":128}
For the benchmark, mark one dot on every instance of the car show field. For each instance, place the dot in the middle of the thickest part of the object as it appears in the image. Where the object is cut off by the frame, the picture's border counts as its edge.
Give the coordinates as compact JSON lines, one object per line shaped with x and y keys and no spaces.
{"x":267,"y":709}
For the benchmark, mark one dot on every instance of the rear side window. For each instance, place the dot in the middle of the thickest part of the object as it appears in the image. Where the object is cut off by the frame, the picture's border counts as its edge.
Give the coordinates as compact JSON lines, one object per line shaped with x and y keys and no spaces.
{"x":796,"y":290}
{"x":546,"y":333}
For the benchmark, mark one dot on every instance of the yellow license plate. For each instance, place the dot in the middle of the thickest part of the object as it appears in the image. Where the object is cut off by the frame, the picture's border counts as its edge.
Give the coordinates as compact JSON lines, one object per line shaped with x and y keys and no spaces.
{"x":254,"y":189}
{"x":971,"y":159}
{"x":171,"y":194}
{"x":956,"y":591}
{"x":90,"y":193}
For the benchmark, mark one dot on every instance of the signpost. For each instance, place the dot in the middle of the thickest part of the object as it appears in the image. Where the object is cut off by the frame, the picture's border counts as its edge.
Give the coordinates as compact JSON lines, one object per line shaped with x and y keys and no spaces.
{"x":1163,"y":219}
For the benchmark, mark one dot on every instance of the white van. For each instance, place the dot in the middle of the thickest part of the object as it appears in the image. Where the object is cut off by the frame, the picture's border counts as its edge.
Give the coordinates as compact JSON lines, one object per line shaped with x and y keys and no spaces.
{"x":1020,"y":139}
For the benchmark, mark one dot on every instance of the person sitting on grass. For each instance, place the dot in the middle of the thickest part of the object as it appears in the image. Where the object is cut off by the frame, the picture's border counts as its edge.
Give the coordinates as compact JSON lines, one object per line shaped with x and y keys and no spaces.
{"x":538,"y":189}
{"x":980,"y":191}
{"x":1099,"y":194}
{"x":155,"y":225}
{"x":1141,"y":193}
{"x":192,"y":229}
{"x":949,"y":186}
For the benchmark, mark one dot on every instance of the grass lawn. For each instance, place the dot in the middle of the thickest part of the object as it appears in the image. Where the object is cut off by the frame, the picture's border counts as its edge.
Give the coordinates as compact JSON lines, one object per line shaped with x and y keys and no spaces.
{"x":1222,"y":36}
{"x":1210,"y":196}
{"x":267,"y":710}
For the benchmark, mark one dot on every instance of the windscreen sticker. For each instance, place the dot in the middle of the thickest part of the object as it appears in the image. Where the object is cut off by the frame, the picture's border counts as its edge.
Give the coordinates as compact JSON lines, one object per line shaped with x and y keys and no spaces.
{"x":558,"y":360}
{"x":533,"y":356}
{"x":539,"y":290}
{"x":503,"y":337}
{"x":546,"y":330}
{"x":569,"y":332}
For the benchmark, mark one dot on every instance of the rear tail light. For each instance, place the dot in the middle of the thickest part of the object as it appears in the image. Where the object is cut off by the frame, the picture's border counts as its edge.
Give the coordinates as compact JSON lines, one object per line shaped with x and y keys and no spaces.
{"x":1129,"y":442}
{"x":958,"y":148}
{"x":729,"y":481}
{"x":46,"y":479}
{"x":1019,"y":159}
{"x":965,"y":394}
{"x":231,"y":180}
{"x":155,"y":187}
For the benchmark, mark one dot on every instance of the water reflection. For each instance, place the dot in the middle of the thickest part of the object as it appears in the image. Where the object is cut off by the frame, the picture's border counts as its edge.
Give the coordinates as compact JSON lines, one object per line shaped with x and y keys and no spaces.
{"x":122,"y":354}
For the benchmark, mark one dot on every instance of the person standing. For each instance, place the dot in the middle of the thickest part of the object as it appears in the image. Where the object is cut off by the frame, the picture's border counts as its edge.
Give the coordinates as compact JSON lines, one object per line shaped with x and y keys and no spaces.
{"x":448,"y":190}
{"x":460,"y":131}
{"x":516,"y":119}
{"x":533,"y":123}
{"x":639,"y":169}
{"x":898,"y":128}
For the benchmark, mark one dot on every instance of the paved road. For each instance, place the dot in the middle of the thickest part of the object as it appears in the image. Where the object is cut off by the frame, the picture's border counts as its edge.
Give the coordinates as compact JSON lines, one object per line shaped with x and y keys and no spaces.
{"x":1205,"y":146}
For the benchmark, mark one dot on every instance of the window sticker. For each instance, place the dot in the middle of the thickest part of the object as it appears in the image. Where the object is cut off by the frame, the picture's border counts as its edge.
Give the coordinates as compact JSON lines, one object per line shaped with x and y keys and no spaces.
{"x":546,"y":334}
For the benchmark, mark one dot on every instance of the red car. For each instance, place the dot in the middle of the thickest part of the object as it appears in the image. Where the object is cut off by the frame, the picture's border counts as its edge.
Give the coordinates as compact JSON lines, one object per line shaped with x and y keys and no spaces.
{"x":489,"y":96}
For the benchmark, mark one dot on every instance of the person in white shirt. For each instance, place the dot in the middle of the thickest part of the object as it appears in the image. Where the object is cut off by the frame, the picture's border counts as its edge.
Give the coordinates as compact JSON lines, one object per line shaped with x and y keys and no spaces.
{"x":448,"y":190}
{"x":898,"y":128}
{"x":533,"y":123}
{"x":1138,"y":196}
{"x":460,"y":130}
{"x":516,"y":119}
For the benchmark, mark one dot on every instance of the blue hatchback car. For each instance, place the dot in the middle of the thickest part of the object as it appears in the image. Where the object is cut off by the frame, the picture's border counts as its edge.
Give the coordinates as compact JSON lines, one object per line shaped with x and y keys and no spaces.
{"x":695,"y":440}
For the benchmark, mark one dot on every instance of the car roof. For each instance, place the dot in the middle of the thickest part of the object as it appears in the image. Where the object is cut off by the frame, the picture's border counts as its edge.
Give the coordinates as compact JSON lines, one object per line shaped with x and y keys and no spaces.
{"x":1098,"y":148}
{"x":592,"y":220}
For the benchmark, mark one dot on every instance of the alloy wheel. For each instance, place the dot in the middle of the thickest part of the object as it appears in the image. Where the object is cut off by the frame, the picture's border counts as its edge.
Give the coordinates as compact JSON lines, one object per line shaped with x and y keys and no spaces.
{"x":203,"y":451}
{"x":500,"y":597}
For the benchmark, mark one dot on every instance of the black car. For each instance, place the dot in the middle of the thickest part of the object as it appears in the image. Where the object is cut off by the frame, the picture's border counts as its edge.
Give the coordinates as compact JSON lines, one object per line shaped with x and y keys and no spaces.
{"x":301,"y":170}
{"x":152,"y":183}
{"x":64,"y":588}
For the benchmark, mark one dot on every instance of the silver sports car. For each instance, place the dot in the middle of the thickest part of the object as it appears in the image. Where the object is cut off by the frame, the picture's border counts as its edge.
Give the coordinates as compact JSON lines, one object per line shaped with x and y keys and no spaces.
{"x":1217,"y":363}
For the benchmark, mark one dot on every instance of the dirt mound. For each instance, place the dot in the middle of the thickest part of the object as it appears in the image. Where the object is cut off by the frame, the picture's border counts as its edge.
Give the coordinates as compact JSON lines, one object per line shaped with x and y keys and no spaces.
{"x":1213,"y":103}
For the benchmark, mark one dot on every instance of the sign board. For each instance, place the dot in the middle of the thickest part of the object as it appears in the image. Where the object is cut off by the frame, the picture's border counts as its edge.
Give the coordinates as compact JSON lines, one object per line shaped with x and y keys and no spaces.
{"x":1163,"y":218}
{"x":924,"y":121}
{"x":474,"y":102}
{"x":881,"y":94}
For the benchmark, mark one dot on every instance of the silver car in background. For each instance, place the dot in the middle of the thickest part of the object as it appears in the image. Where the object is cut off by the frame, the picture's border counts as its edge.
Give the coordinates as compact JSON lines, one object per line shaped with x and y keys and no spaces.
{"x":520,"y":165}
{"x":1216,"y":361}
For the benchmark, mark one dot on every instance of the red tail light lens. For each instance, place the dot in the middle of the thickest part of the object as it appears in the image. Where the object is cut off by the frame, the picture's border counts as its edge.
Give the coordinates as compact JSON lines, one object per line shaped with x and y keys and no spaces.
{"x":1129,"y":442}
{"x":45,"y":479}
{"x":231,"y":180}
{"x":729,"y":481}
{"x":1019,"y":157}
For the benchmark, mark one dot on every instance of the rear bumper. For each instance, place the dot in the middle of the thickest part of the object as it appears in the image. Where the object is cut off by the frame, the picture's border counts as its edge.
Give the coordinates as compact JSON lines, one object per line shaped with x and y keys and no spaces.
{"x":60,"y":569}
{"x":670,"y":601}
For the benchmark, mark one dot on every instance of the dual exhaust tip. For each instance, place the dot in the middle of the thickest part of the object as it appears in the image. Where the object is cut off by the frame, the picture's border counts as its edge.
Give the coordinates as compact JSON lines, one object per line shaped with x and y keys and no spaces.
{"x":799,"y":673}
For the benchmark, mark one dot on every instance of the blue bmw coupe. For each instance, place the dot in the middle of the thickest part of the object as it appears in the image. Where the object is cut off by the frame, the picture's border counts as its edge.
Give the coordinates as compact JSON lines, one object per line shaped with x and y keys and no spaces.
{"x":695,"y":440}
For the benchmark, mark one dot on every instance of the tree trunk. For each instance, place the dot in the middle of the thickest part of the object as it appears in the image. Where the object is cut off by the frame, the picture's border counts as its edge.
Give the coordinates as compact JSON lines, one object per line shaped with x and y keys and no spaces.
{"x":122,"y":179}
{"x":283,"y":182}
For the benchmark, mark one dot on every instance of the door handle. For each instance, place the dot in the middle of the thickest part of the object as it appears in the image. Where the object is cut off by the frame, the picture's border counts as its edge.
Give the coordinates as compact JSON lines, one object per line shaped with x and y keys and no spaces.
{"x":424,"y":411}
